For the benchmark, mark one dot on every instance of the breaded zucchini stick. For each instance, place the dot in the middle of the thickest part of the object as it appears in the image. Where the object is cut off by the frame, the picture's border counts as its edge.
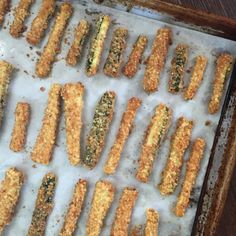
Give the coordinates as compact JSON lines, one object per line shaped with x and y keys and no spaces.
{"x":131,"y":67}
{"x":4,"y":8}
{"x":127,"y":201}
{"x":97,"y":43}
{"x":75,"y":208}
{"x":123,"y":134}
{"x":193,"y":166}
{"x":46,"y":139}
{"x":176,"y":80}
{"x":196,"y":78}
{"x":10,"y":189}
{"x":22,"y":11}
{"x":223,"y":67}
{"x":41,"y":21}
{"x":117,"y":48}
{"x":73,"y":104}
{"x":6,"y":70}
{"x":43,"y":206}
{"x":53,"y":46}
{"x":102,"y":199}
{"x":22,"y":115}
{"x":81,"y":32}
{"x":156,"y":60}
{"x":155,"y":134}
{"x":179,"y":143}
{"x":101,"y":123}
{"x":151,"y":227}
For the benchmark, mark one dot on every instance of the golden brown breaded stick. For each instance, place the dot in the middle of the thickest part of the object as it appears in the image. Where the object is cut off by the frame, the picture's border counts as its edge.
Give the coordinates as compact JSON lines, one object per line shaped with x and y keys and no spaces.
{"x":155,"y":134}
{"x":22,"y":11}
{"x":131,"y":67}
{"x":179,"y":143}
{"x":43,"y":205}
{"x":196,"y":78}
{"x":4,"y":8}
{"x":193,"y":166}
{"x":176,"y":80}
{"x":117,"y":48}
{"x":41,"y":21}
{"x":81,"y":32}
{"x":6,"y":70}
{"x":10,"y":189}
{"x":156,"y":60}
{"x":75,"y":208}
{"x":22,"y":114}
{"x":73,"y":105}
{"x":123,"y":134}
{"x":223,"y":66}
{"x":46,"y":139}
{"x":102,"y":199}
{"x":151,"y":227}
{"x":120,"y":226}
{"x":53,"y":46}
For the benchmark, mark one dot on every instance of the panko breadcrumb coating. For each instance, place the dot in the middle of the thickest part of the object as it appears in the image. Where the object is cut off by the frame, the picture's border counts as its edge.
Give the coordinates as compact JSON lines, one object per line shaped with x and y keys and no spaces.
{"x":4,"y":8}
{"x":151,"y":227}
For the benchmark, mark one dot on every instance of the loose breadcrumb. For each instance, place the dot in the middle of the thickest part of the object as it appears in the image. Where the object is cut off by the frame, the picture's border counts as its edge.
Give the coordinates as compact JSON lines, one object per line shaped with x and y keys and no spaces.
{"x":10,"y":189}
{"x":179,"y":143}
{"x":46,"y":139}
{"x":136,"y":231}
{"x":53,"y":46}
{"x":151,"y":227}
{"x":155,"y":134}
{"x":127,"y":201}
{"x":73,"y":105}
{"x":123,"y":134}
{"x":4,"y":8}
{"x":156,"y":60}
{"x":103,"y":197}
{"x":75,"y":208}
{"x":41,"y":22}
{"x":193,"y":166}
{"x":22,"y":114}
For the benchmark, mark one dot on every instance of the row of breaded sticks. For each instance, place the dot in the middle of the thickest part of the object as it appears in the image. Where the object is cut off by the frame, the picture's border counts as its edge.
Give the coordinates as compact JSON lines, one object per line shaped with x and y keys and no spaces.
{"x":103,"y":197}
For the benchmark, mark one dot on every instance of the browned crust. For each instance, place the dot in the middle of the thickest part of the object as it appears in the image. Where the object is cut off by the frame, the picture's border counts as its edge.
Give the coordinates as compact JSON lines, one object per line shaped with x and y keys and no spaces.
{"x":40,"y":22}
{"x":123,"y":134}
{"x":4,"y":8}
{"x":46,"y":139}
{"x":193,"y":166}
{"x":156,"y":60}
{"x":121,"y":223}
{"x":53,"y":46}
{"x":151,"y":227}
{"x":18,"y":136}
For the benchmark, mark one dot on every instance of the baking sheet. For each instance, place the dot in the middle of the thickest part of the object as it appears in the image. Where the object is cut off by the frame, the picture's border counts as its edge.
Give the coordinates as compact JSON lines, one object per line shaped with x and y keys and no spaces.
{"x":25,"y":86}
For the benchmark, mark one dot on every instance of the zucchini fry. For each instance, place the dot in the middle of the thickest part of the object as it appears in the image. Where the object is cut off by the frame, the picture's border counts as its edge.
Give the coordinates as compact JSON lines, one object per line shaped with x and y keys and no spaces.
{"x":103,"y":197}
{"x":46,"y":139}
{"x":74,"y":209}
{"x":131,"y":67}
{"x":155,"y":134}
{"x":151,"y":227}
{"x":53,"y":46}
{"x":101,"y":123}
{"x":156,"y":60}
{"x":193,"y":166}
{"x":81,"y":32}
{"x":6,"y":70}
{"x":43,"y":205}
{"x":127,"y":201}
{"x":97,"y":44}
{"x":41,"y":21}
{"x":22,"y":114}
{"x":176,"y":80}
{"x":4,"y":8}
{"x":117,"y":48}
{"x":179,"y":144}
{"x":123,"y":134}
{"x":22,"y":11}
{"x":196,"y":78}
{"x":72,"y":95}
{"x":223,"y":67}
{"x":10,"y":189}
